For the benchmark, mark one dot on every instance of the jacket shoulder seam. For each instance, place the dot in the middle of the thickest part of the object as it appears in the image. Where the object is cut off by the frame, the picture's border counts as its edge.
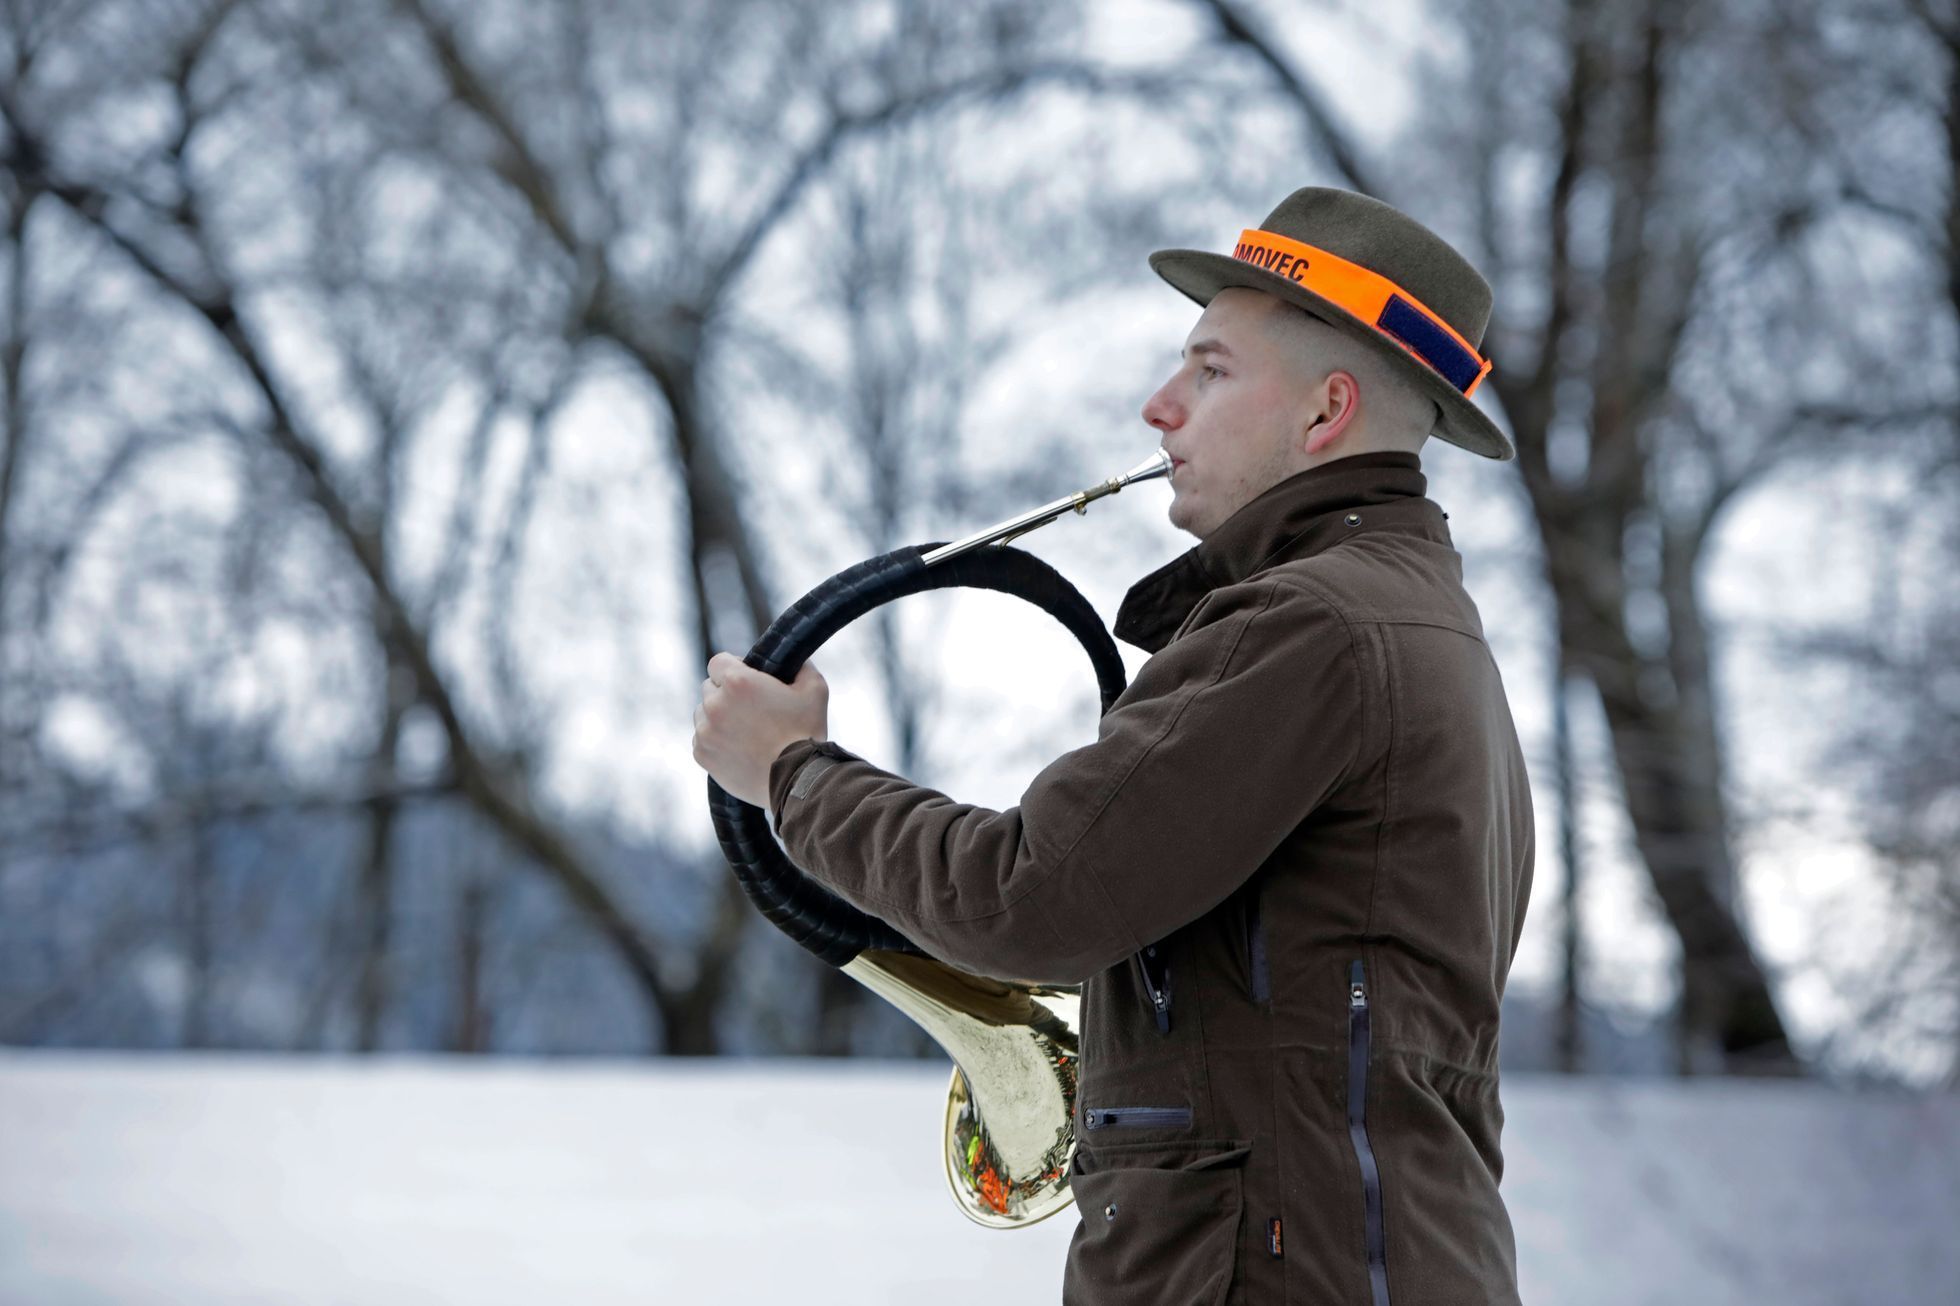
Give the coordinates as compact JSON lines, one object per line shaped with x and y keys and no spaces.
{"x":1435,"y":623}
{"x":1301,"y":574}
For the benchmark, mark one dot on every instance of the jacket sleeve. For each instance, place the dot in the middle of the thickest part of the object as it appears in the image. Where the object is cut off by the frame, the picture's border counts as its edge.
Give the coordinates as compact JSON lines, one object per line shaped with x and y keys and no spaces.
{"x":1227,"y":739}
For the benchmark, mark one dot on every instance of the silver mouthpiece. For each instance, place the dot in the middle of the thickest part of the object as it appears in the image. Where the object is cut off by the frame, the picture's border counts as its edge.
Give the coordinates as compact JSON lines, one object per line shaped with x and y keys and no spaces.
{"x":1157,"y":464}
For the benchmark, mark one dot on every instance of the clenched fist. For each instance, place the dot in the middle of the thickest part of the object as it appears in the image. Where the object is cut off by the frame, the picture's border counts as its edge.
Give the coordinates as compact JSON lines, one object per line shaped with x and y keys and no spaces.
{"x":747,"y":717}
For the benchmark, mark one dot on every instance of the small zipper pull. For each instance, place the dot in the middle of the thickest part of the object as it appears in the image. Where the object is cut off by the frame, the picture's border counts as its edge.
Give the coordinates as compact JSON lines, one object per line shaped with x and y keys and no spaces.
{"x":1157,"y":984}
{"x":1357,"y":993}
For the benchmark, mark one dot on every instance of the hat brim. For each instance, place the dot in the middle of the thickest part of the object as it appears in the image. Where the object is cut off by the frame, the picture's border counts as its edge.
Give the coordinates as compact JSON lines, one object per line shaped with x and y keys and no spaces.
{"x":1201,"y":274}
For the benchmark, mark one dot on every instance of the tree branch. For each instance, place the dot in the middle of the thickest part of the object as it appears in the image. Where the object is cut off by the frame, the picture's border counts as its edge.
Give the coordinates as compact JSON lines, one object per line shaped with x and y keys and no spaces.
{"x":1240,"y":29}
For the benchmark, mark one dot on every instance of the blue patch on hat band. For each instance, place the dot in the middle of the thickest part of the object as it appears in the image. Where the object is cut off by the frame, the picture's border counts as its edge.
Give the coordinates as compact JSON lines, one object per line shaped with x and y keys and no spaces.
{"x":1432,"y":344}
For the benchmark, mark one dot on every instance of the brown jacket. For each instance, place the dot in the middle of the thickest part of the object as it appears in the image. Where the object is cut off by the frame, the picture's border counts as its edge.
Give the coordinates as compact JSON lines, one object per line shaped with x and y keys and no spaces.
{"x":1291,"y":871}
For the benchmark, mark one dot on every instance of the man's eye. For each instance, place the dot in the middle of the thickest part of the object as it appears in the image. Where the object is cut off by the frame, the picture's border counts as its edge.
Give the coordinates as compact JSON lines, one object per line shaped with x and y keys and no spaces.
{"x":1211,"y":372}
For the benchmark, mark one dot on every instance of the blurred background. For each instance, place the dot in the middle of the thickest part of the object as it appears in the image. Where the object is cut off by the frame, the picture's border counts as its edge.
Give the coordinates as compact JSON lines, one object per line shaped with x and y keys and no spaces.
{"x":402,"y":400}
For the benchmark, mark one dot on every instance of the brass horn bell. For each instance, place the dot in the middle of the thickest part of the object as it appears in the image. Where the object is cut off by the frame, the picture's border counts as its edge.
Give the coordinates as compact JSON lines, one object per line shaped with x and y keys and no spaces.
{"x":1010,"y":1110}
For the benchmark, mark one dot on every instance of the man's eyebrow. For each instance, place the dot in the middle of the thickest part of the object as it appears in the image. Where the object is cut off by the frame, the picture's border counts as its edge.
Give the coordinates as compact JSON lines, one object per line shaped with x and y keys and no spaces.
{"x":1206,"y":346}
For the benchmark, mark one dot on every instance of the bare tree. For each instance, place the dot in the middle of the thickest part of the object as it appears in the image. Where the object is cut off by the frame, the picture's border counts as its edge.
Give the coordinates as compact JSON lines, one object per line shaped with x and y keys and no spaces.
{"x":584,"y":218}
{"x":1898,"y":156}
{"x":389,"y":246}
{"x":1646,"y":397}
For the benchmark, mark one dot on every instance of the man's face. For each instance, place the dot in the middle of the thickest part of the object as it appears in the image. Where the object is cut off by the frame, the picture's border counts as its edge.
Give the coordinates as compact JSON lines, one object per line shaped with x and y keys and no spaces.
{"x":1233,"y":415}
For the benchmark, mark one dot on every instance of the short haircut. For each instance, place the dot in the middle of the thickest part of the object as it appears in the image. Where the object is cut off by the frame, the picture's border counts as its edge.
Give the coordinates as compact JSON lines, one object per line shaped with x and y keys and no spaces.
{"x":1397,"y":413}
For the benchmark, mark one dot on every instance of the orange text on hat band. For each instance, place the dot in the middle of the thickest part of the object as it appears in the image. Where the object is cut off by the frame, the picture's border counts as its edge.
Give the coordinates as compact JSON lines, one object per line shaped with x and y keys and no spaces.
{"x":1372,"y":297}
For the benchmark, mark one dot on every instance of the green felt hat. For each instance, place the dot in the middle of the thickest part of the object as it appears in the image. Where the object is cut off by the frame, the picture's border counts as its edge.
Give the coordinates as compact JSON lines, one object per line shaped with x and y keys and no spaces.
{"x":1390,"y":282}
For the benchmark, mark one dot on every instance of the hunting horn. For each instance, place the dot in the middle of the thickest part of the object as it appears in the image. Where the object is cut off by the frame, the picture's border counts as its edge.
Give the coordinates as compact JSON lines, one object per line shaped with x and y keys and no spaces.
{"x":1010,"y":1110}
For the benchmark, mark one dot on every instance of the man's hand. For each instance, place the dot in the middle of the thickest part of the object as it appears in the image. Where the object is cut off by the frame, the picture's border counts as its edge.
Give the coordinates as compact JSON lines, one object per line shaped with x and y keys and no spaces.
{"x":747,"y":717}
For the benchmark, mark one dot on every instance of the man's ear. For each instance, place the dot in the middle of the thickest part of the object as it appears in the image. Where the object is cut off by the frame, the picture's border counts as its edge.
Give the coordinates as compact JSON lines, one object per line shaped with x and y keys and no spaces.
{"x":1339,"y":404}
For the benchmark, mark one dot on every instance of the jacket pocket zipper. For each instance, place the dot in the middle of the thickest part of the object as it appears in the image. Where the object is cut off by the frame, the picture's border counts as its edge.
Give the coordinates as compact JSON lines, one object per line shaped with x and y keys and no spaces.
{"x":1156,"y":973}
{"x":1137,"y":1117}
{"x":1357,"y":1115}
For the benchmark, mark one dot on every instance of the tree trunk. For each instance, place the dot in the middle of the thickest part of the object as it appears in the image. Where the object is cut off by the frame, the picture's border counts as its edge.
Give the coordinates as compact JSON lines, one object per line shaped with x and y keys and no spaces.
{"x":471,"y":1032}
{"x":377,"y":883}
{"x":1660,"y":720}
{"x":200,"y":931}
{"x":1568,"y":1049}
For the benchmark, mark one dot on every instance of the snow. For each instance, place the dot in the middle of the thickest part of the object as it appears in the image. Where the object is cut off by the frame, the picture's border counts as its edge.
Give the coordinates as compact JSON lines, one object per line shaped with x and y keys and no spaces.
{"x":224,"y":1179}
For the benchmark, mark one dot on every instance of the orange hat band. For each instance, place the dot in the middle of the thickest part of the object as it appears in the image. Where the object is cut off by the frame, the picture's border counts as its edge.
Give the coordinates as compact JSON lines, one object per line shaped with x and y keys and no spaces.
{"x":1373,"y":298}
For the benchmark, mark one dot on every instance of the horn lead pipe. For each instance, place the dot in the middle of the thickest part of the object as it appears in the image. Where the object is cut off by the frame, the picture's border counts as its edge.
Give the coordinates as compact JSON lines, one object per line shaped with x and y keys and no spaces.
{"x":1157,"y":465}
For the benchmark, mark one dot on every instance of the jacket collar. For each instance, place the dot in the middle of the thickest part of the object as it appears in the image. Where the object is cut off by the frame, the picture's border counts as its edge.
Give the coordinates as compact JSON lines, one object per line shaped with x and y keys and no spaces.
{"x":1305,"y":514}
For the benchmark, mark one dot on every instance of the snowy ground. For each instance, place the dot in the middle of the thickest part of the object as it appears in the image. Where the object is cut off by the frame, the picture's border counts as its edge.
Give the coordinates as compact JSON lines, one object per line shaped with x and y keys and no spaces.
{"x":230,"y":1180}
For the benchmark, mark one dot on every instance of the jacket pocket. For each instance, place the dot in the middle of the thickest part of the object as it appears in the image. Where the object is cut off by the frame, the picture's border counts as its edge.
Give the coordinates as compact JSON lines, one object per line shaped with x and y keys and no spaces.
{"x":1098,"y":1118}
{"x":1357,"y":1119}
{"x":1160,"y":1223}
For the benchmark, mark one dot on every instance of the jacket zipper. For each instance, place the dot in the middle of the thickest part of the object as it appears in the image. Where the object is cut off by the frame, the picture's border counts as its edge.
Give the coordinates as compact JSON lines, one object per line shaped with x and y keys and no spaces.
{"x":1262,"y":985}
{"x":1137,"y":1117}
{"x":1357,"y":1114}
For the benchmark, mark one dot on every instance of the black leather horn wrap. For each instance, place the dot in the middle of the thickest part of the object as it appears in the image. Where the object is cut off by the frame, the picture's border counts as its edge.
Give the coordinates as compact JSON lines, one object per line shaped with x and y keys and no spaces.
{"x":825,"y":924}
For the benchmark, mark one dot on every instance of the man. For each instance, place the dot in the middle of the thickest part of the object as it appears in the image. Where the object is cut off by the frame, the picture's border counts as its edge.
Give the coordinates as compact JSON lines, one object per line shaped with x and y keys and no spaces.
{"x":1292,"y":869}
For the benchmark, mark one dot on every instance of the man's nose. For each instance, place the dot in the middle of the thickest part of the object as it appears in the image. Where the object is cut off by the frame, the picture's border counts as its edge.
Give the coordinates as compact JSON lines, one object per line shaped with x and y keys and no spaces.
{"x":1162,"y":411}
